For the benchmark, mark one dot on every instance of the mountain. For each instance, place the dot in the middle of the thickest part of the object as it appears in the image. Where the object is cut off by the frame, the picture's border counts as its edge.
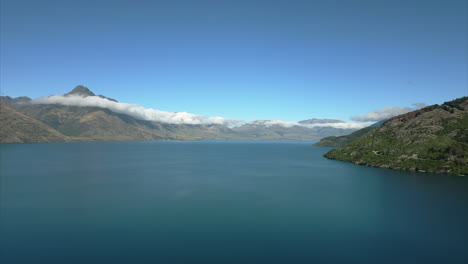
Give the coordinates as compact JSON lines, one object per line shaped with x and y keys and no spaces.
{"x":92,"y":123}
{"x":19,"y":128}
{"x":7,"y":100}
{"x":432,"y":139}
{"x":85,"y":92}
{"x":81,"y":90}
{"x":75,"y":122}
{"x":96,"y":123}
{"x":319,"y":121}
{"x":341,"y":141}
{"x":260,"y":129}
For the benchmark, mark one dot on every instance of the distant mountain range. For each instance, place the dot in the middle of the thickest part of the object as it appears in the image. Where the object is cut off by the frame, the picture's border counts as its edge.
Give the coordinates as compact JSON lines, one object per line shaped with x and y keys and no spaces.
{"x":319,"y":121}
{"x":27,"y":120}
{"x":432,"y":139}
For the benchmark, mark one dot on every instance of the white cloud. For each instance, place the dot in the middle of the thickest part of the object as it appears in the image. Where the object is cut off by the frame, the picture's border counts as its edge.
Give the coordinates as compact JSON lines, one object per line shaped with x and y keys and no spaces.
{"x":135,"y":111}
{"x":386,"y":113}
{"x":269,"y":123}
{"x":141,"y":113}
{"x":339,"y":125}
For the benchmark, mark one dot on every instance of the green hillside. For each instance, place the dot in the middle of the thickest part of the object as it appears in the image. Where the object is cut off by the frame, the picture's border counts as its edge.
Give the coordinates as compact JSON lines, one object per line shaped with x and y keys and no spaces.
{"x":433,"y":139}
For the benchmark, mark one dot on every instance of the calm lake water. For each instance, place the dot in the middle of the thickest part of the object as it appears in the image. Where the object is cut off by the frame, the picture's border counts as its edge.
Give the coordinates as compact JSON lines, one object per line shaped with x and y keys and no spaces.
{"x":221,"y":202}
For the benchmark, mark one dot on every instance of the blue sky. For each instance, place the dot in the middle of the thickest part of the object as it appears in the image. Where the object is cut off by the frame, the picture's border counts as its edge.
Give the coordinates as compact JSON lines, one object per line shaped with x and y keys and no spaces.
{"x":289,"y":60}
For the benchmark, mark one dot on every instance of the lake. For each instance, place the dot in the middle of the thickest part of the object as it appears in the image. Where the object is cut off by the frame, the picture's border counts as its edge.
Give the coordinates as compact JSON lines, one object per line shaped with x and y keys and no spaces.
{"x":221,"y":202}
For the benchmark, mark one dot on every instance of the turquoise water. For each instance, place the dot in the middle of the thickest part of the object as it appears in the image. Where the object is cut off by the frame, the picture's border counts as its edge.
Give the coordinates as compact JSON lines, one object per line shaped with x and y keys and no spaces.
{"x":221,"y":202}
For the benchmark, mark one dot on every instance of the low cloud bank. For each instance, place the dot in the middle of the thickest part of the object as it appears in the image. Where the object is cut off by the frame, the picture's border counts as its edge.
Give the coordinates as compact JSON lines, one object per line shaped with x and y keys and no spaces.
{"x":149,"y":114}
{"x":386,"y":113}
{"x":136,"y":111}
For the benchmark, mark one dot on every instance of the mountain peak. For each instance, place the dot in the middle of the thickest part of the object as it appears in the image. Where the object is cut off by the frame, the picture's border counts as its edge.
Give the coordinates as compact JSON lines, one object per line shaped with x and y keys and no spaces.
{"x":81,"y":90}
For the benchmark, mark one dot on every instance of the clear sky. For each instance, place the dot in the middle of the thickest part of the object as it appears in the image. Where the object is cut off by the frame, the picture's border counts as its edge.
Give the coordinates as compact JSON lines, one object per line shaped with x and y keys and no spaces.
{"x":243,"y":59}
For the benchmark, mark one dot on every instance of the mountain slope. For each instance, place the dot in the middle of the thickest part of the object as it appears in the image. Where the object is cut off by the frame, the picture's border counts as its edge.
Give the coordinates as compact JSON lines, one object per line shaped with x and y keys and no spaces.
{"x":96,"y":123}
{"x":18,"y":128}
{"x":93,"y":123}
{"x":433,"y":139}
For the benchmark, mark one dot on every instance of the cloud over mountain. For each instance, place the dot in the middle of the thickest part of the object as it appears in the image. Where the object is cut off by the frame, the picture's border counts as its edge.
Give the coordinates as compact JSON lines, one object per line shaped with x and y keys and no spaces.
{"x":135,"y":111}
{"x":386,"y":113}
{"x":141,"y":113}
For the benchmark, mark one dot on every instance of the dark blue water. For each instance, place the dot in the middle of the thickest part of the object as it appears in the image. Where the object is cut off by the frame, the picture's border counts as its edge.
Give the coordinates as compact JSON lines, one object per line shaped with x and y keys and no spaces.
{"x":221,"y":202}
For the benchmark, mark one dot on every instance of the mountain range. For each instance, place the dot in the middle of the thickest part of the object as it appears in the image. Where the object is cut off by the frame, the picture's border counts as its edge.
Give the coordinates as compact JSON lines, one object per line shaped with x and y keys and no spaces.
{"x":75,"y":119}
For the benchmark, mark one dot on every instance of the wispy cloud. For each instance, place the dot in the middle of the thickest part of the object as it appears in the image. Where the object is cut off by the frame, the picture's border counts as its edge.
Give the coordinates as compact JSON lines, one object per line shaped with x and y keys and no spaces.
{"x":386,"y":113}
